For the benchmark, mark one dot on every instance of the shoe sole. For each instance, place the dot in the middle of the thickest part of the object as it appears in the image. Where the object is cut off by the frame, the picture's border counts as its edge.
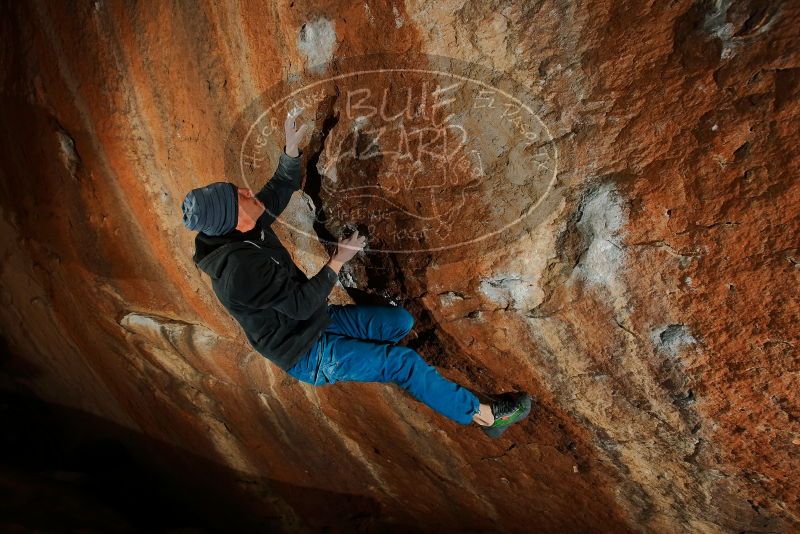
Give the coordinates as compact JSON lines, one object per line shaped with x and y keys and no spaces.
{"x":496,"y":432}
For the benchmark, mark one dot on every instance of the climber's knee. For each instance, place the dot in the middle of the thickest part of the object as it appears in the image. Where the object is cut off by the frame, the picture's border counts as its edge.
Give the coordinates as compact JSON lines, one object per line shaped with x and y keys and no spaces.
{"x":404,"y":321}
{"x":401,"y":364}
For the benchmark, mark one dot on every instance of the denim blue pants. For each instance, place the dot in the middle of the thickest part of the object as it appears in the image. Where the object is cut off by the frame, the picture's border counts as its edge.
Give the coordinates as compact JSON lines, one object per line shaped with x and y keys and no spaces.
{"x":359,"y":346}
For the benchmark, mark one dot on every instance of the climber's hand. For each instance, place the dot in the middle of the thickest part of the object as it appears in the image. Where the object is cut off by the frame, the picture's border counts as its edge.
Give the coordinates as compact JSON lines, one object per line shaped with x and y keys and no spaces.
{"x":349,"y":247}
{"x":294,"y":136}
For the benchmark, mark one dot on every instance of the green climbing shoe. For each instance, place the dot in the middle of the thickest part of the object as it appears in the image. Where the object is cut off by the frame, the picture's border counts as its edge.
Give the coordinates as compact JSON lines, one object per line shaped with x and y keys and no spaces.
{"x":507,"y":410}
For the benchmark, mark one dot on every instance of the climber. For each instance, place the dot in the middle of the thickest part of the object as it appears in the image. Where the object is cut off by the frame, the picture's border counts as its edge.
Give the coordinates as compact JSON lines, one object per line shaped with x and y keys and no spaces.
{"x":285,"y":314}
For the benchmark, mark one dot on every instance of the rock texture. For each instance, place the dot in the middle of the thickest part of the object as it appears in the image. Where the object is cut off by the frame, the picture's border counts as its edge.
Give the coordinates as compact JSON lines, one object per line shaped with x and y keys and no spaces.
{"x":653,"y":311}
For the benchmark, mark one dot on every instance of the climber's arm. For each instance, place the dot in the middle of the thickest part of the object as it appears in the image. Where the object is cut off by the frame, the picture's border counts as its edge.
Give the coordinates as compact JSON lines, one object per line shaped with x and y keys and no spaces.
{"x":278,"y":191}
{"x":287,"y":179}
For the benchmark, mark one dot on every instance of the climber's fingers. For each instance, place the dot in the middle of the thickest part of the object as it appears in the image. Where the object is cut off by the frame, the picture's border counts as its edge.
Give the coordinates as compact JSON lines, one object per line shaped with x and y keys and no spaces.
{"x":291,"y":117}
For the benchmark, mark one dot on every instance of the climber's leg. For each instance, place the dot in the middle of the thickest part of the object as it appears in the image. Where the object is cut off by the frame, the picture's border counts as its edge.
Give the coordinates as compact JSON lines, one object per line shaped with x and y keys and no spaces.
{"x":350,"y":359}
{"x":367,"y":321}
{"x":307,"y":367}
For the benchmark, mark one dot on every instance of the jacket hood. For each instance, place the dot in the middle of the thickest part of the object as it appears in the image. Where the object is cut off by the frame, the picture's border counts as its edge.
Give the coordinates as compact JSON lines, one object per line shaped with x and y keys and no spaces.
{"x":211,"y":252}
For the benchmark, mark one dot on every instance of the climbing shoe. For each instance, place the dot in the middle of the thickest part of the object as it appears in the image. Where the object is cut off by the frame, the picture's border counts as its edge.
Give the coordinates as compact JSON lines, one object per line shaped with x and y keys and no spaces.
{"x":507,"y":410}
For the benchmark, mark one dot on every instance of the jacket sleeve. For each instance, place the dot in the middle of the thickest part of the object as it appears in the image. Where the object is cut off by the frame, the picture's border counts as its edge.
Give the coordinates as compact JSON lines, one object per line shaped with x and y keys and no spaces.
{"x":265,"y":285}
{"x":278,"y":191}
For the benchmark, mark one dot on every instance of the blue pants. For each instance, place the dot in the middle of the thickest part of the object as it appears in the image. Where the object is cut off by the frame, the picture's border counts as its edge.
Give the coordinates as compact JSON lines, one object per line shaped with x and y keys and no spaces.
{"x":359,"y":346}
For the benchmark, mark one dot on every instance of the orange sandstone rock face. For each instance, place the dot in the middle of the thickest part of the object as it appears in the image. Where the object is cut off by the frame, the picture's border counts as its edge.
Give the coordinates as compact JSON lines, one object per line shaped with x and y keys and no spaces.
{"x":648,"y":302}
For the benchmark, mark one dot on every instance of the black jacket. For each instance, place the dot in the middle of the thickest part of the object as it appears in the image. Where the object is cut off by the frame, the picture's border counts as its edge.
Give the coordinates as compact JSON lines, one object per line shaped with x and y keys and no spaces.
{"x":281,"y":310}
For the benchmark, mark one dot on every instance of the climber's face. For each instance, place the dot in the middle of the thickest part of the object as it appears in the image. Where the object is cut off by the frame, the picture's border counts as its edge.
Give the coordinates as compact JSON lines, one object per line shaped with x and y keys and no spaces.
{"x":250,"y":209}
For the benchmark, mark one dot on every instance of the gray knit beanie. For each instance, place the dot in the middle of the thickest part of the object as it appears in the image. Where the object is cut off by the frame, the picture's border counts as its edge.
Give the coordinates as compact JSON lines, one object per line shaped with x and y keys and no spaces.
{"x":213,"y":209}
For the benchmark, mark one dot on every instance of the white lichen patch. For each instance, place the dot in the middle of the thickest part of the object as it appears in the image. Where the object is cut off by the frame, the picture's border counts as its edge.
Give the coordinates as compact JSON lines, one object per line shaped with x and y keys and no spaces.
{"x":450,"y":298}
{"x":671,"y":339}
{"x":346,"y":276}
{"x":508,"y":291}
{"x":512,"y":279}
{"x":600,"y":224}
{"x":368,"y":13}
{"x":316,"y":43}
{"x":398,"y":18}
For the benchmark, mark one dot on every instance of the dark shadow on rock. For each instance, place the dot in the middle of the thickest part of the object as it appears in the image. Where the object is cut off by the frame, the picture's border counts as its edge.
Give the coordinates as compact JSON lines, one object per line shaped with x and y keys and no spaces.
{"x":63,"y":469}
{"x":313,"y":180}
{"x":14,"y":368}
{"x":360,"y":296}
